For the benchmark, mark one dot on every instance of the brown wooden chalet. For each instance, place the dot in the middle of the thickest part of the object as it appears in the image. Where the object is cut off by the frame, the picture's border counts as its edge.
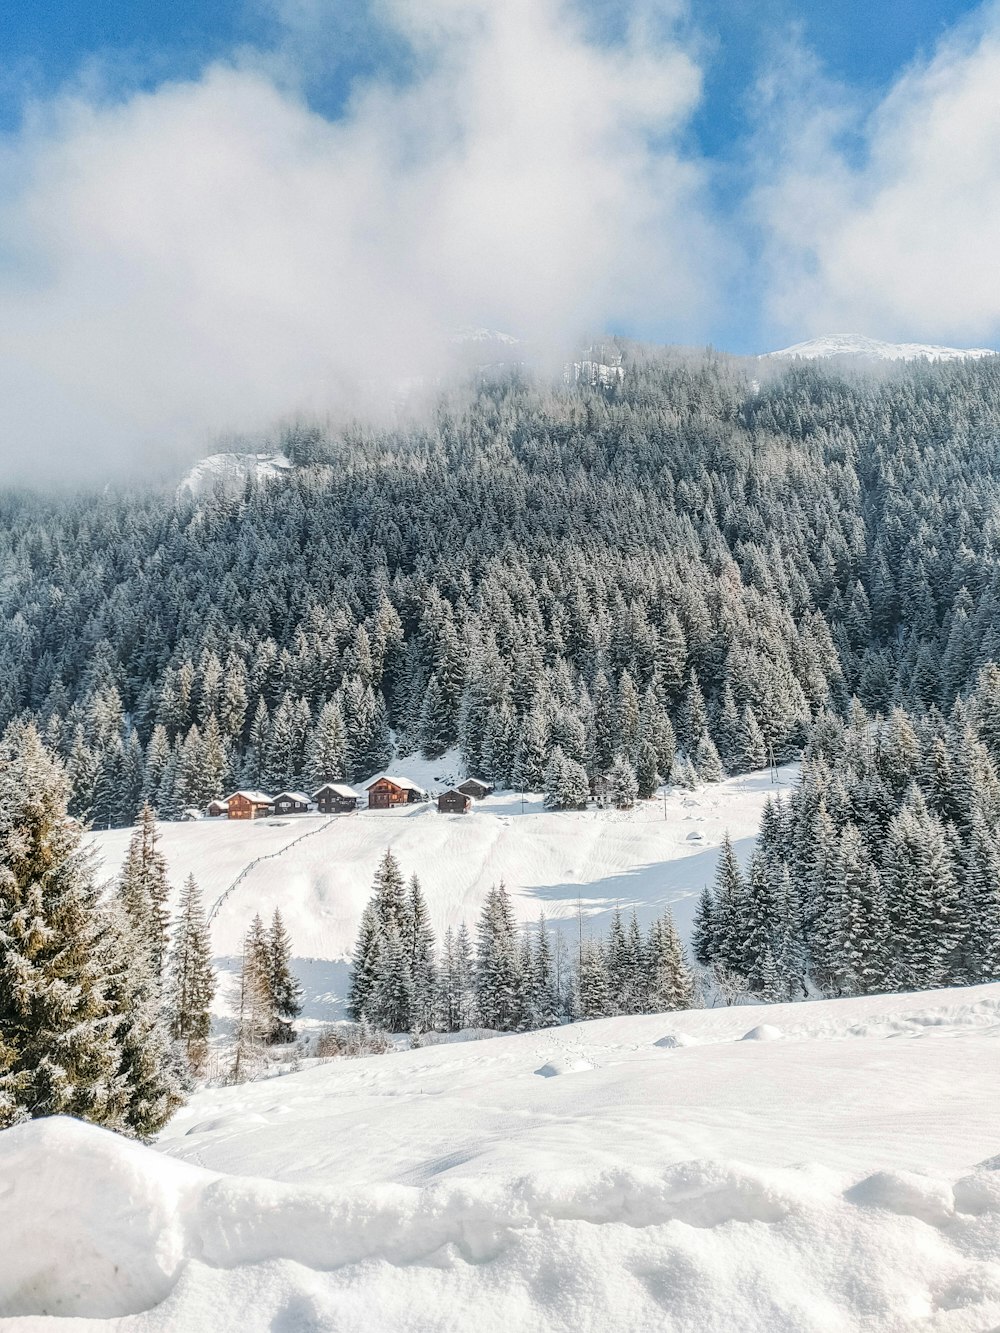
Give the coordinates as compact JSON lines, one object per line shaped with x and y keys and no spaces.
{"x":249,"y":805}
{"x":475,"y":788}
{"x":454,"y":802}
{"x":292,"y":803}
{"x":217,"y":809}
{"x":335,"y":798}
{"x":384,"y":793}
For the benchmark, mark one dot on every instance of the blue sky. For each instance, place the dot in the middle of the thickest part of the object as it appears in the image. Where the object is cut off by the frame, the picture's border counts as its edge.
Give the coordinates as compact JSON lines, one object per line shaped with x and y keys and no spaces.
{"x":45,"y":43}
{"x":211,"y":213}
{"x":863,"y":44}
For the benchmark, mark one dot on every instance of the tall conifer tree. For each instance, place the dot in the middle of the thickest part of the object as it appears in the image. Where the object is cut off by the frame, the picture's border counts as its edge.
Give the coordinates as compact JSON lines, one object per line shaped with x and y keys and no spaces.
{"x":59,"y":1048}
{"x":192,"y":979}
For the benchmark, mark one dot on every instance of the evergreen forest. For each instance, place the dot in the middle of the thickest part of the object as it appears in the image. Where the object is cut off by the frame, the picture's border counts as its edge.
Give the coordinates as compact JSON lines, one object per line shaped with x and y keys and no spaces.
{"x":684,"y":569}
{"x":701,"y":567}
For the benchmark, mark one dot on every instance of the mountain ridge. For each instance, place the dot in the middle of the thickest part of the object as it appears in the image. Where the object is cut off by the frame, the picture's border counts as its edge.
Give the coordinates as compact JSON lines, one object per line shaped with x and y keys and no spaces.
{"x":875,"y":349}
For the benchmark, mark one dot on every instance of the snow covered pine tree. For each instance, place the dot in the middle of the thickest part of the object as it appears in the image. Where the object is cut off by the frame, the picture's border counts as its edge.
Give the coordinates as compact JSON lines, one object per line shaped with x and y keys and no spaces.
{"x":77,"y":1036}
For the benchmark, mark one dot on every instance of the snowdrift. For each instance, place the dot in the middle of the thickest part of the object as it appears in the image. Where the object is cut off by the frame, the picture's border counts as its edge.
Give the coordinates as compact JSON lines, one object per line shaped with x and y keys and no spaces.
{"x":698,"y":1246}
{"x":846,"y":1177}
{"x":90,"y":1224}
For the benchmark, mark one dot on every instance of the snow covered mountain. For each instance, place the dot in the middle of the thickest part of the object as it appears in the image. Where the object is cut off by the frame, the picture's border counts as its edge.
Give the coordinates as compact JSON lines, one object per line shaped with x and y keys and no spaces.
{"x":229,"y":471}
{"x":488,"y":352}
{"x":872,"y":349}
{"x":469,"y":334}
{"x":838,"y":1171}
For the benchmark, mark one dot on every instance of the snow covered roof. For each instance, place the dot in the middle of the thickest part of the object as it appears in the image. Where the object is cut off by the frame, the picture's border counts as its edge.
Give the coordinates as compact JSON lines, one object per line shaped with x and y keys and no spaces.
{"x":405,"y":783}
{"x":254,"y":797}
{"x":299,"y":796}
{"x":341,"y":788}
{"x":456,"y":791}
{"x":220,"y":801}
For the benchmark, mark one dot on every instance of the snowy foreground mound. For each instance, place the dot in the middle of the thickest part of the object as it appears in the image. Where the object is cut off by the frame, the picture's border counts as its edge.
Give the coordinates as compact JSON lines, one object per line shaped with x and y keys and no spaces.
{"x":846,"y":1176}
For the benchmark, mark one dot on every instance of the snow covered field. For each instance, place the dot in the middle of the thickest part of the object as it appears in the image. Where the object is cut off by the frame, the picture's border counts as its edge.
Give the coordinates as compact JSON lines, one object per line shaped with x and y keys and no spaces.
{"x":839,"y":1172}
{"x":659,"y":854}
{"x":813,"y":1168}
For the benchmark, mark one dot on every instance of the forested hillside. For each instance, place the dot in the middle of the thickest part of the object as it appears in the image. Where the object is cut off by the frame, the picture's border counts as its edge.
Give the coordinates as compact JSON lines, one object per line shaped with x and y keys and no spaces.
{"x":681,"y":571}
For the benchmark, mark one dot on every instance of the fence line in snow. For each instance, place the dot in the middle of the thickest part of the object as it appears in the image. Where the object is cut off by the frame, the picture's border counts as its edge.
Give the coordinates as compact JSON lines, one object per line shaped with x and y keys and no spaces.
{"x":269,"y":856}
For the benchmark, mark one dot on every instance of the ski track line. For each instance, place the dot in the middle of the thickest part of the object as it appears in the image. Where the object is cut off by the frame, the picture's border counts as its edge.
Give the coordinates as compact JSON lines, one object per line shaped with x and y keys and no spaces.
{"x":269,"y":856}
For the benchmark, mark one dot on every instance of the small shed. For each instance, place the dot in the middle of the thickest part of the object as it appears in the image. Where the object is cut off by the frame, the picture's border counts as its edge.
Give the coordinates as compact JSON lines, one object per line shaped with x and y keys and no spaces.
{"x":292,"y":803}
{"x":384,"y":793}
{"x":217,"y":809}
{"x":454,"y":802}
{"x":476,"y":788}
{"x":249,"y":805}
{"x":335,"y":798}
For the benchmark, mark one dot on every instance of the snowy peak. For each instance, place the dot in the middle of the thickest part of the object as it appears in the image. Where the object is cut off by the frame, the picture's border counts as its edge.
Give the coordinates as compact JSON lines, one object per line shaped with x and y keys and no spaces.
{"x":486,"y":351}
{"x":468,"y":334}
{"x":229,"y":472}
{"x":873,"y":349}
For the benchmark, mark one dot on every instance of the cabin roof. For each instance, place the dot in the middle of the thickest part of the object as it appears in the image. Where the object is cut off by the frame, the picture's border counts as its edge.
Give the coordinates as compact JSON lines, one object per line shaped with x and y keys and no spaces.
{"x":254,"y":797}
{"x":299,"y":796}
{"x":341,"y":788}
{"x":404,"y":783}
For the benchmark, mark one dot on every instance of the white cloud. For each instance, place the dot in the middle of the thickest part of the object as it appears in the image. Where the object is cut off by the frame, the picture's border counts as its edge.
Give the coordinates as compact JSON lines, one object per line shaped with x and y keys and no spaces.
{"x":897,"y":233}
{"x":213,"y":255}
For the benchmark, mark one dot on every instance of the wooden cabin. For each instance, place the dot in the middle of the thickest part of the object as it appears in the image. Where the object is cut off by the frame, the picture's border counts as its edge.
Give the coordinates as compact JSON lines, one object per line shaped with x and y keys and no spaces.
{"x":476,"y":788}
{"x":335,"y":798}
{"x":454,"y":802}
{"x":292,"y":803}
{"x":249,"y":805}
{"x":217,"y":809}
{"x":385,"y":793}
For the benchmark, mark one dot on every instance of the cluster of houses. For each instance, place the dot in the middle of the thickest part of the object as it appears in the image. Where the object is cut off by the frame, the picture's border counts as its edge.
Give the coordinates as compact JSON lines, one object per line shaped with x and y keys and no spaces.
{"x":336,"y":798}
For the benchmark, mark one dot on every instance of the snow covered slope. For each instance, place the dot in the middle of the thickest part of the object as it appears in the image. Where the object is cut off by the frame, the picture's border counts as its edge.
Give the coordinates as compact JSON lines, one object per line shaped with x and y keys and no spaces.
{"x":230,"y":471}
{"x":319,"y":870}
{"x":871,"y":349}
{"x":843,"y":1175}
